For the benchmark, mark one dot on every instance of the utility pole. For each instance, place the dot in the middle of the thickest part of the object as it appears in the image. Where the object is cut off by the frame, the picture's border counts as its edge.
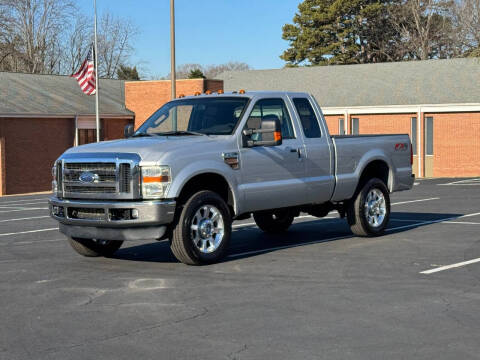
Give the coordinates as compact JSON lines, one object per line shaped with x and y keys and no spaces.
{"x":97,"y":85}
{"x":172,"y":48}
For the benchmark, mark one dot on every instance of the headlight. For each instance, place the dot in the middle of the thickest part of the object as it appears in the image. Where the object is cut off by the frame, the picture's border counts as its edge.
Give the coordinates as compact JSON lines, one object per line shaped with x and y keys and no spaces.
{"x":155,"y":181}
{"x":54,"y":179}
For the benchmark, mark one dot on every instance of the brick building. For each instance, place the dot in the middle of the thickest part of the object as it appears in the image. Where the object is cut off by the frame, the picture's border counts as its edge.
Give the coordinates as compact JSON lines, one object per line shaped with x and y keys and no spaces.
{"x":436,"y":102}
{"x":43,"y":115}
{"x":145,"y":97}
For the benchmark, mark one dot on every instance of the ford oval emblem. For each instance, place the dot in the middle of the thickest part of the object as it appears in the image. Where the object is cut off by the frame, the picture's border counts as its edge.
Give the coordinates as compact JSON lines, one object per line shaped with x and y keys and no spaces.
{"x":88,"y":177}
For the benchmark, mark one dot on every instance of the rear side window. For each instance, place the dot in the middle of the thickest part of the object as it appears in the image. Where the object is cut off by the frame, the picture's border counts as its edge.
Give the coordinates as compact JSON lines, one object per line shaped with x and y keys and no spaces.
{"x":309,"y":121}
{"x":268,"y":108}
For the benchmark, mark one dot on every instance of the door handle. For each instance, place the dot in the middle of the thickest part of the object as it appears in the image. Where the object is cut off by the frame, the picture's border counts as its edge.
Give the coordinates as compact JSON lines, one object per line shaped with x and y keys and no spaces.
{"x":295,"y":150}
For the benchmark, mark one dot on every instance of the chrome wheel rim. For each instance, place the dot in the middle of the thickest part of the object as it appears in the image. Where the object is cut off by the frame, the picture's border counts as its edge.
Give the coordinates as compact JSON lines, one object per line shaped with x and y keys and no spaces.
{"x":207,"y":229}
{"x":375,"y":208}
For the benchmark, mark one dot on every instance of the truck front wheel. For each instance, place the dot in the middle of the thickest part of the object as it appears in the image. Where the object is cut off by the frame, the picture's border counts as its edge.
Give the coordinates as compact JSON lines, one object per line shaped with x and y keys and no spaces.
{"x":203,"y":229}
{"x":368,"y":213}
{"x":93,"y":247}
{"x":274,"y":221}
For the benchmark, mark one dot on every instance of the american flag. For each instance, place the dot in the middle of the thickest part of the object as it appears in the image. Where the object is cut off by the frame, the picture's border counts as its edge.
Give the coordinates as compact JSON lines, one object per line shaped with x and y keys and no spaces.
{"x":86,"y":74}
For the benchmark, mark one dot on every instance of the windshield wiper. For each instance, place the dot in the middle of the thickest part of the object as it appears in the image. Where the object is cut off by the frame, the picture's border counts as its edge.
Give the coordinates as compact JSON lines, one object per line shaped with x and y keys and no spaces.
{"x":180,"y":132}
{"x":143,"y":134}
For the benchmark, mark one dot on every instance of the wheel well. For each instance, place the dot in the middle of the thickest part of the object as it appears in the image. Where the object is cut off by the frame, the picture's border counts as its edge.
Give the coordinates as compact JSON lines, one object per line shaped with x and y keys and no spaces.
{"x":208,"y":181}
{"x":376,"y":169}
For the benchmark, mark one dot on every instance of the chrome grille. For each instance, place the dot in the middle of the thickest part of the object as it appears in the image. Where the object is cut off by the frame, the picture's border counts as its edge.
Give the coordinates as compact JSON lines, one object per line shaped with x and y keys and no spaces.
{"x":109,"y":178}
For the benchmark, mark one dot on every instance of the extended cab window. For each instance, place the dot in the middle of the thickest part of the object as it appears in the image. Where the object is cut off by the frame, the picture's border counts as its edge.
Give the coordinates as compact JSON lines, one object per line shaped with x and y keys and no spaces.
{"x":268,"y":108}
{"x":309,"y":121}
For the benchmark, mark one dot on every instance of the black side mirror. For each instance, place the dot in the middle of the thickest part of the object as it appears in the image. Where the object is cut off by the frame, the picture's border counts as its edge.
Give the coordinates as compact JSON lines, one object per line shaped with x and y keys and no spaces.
{"x":128,"y":131}
{"x":270,"y":133}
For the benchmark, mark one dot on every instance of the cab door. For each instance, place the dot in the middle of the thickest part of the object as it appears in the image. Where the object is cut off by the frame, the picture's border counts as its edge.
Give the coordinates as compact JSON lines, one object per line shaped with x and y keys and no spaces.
{"x":273,"y":177}
{"x":319,"y":166}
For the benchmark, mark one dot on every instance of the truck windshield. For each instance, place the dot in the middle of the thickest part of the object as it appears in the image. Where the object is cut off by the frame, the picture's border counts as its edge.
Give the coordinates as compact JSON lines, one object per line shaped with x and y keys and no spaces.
{"x":200,"y":116}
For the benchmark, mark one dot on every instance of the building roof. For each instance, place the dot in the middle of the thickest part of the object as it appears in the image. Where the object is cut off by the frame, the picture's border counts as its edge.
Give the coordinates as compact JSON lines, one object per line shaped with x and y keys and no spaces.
{"x":54,"y":95}
{"x":453,"y":81}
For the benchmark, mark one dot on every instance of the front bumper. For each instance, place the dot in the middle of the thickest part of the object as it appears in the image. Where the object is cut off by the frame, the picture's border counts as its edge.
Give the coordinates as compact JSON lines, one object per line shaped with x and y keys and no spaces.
{"x":112,"y":220}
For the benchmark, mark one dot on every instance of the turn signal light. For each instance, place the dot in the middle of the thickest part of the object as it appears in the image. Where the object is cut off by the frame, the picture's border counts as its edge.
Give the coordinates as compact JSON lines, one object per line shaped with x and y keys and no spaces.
{"x":208,"y":92}
{"x":220,"y":92}
{"x":411,"y":154}
{"x":277,"y":136}
{"x":156,"y":179}
{"x":197,"y":93}
{"x":241,"y":91}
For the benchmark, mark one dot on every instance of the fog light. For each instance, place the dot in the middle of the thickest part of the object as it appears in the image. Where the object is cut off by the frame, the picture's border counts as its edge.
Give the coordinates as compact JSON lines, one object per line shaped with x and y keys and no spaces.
{"x":134,"y":213}
{"x":57,"y":210}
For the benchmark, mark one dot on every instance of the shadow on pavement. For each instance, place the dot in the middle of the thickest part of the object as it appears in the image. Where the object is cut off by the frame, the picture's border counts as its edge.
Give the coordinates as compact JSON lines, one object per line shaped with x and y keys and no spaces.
{"x":249,"y":241}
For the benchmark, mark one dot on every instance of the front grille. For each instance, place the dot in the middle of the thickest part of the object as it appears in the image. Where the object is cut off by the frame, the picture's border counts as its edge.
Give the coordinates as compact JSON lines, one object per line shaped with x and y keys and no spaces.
{"x":87,"y":178}
{"x":125,"y":177}
{"x":90,"y":190}
{"x":86,"y":213}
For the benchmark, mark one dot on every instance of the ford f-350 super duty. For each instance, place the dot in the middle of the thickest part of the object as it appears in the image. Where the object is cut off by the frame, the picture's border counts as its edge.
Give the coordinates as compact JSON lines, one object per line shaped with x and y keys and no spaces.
{"x":200,"y":162}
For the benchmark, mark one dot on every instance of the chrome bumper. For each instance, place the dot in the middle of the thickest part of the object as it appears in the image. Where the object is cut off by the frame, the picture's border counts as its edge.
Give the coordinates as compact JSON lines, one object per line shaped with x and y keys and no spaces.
{"x":112,"y":220}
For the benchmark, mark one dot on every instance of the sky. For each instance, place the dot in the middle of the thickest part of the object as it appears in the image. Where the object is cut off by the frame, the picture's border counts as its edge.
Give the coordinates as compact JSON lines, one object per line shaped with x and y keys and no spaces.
{"x":207,"y":31}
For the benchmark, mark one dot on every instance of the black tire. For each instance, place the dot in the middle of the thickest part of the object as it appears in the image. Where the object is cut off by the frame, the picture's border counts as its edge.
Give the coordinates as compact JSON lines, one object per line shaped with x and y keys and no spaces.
{"x":358,"y":215}
{"x":93,"y":248}
{"x":183,"y":238}
{"x":274,"y":221}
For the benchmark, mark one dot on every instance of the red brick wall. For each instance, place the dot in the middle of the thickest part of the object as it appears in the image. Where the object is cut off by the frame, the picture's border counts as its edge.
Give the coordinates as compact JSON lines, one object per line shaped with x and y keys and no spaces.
{"x":113,"y":128}
{"x":385,"y":123}
{"x":145,"y":97}
{"x":456,"y":144}
{"x":31,"y":147}
{"x":332,"y":123}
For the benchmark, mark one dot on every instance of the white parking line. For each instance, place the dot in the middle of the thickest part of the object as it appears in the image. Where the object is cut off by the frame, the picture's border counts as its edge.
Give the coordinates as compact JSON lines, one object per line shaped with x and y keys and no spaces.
{"x":414,"y":201}
{"x":28,"y":232}
{"x":22,"y":204}
{"x":342,"y":237}
{"x":463,"y":182}
{"x":447,"y":267}
{"x":23,"y":209}
{"x":28,"y":218}
{"x":21,"y":201}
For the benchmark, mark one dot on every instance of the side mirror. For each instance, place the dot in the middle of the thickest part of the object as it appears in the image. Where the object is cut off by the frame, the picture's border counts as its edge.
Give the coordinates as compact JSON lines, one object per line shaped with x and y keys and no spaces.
{"x":128,"y":131}
{"x":270,"y":133}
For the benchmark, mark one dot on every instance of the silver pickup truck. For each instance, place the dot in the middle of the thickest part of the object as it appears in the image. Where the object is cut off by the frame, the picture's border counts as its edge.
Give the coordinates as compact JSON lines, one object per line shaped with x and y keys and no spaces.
{"x":200,"y":162}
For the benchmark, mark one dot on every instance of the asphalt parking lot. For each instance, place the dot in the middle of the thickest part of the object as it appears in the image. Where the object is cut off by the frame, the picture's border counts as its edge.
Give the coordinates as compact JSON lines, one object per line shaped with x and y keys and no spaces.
{"x":316,"y":292}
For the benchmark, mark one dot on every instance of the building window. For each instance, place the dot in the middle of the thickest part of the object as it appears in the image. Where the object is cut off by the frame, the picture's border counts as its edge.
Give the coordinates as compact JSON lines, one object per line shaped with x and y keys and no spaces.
{"x":429,"y":136}
{"x":355,"y":126}
{"x":414,"y":135}
{"x":341,"y":126}
{"x":310,"y":126}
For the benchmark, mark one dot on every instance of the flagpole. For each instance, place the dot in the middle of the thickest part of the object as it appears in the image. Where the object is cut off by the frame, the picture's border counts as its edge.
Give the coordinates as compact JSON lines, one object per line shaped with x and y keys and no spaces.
{"x":97,"y":85}
{"x":172,"y":48}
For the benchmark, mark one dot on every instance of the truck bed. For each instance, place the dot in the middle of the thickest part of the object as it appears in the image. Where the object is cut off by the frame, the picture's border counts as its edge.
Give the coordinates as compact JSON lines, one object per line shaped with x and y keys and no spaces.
{"x":353,"y":151}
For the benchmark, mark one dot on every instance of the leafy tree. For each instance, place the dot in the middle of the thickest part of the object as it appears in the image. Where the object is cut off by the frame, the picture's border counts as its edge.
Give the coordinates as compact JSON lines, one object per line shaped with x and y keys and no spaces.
{"x":127,"y":73}
{"x":196,"y":74}
{"x":340,"y":32}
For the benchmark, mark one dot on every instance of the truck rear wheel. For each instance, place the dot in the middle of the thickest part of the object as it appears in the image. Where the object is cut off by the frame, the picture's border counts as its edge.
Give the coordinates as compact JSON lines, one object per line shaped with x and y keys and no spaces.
{"x":203,"y":230}
{"x":93,"y":247}
{"x":274,"y":221}
{"x":368,"y":213}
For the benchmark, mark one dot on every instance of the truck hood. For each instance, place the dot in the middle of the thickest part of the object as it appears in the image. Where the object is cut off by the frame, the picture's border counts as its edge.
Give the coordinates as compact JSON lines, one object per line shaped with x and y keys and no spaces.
{"x":148,"y":148}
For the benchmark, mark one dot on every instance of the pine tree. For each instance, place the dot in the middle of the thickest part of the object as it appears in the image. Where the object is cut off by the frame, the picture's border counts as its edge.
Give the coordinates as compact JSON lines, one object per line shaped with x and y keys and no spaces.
{"x":196,"y":74}
{"x":127,"y":73}
{"x":340,"y":32}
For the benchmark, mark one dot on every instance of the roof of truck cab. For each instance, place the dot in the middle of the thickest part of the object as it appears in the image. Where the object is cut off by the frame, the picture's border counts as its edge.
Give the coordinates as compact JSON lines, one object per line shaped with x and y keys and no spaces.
{"x":249,"y":94}
{"x":452,"y":81}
